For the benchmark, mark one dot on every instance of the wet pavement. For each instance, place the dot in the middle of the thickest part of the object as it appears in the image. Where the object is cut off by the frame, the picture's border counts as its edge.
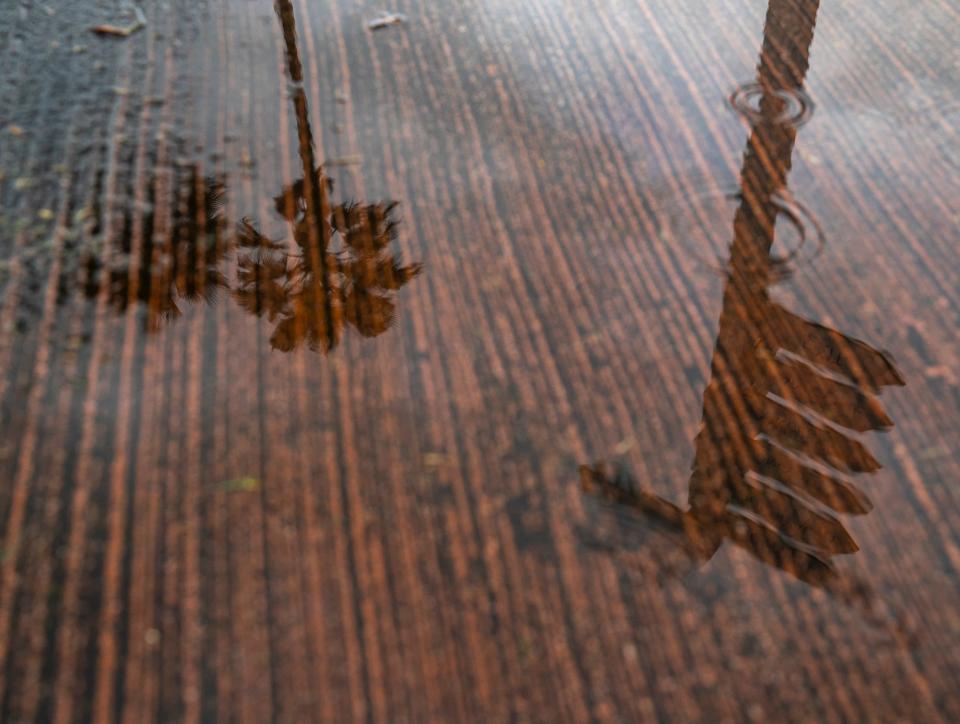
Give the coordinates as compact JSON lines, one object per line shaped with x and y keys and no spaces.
{"x":479,"y":361}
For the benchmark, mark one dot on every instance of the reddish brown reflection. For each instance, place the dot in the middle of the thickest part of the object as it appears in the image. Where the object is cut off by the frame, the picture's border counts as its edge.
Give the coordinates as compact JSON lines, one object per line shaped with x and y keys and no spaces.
{"x":334,"y":270}
{"x":159,"y":266}
{"x":338,"y":270}
{"x":313,"y":292}
{"x":787,"y":396}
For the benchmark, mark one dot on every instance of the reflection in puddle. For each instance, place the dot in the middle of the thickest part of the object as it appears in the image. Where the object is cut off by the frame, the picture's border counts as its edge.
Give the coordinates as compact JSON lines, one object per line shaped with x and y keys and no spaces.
{"x":800,"y":241}
{"x":315,"y":291}
{"x":158,"y":268}
{"x":334,"y":269}
{"x":786,"y":397}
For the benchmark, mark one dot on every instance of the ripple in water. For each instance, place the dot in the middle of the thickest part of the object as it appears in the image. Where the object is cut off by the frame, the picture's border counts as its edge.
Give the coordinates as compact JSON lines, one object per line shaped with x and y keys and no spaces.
{"x":797,"y":106}
{"x":805,"y":226}
{"x":700,"y":225}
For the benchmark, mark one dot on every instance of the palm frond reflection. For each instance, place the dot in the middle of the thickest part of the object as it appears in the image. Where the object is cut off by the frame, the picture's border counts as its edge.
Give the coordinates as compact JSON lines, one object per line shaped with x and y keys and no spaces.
{"x":338,"y":272}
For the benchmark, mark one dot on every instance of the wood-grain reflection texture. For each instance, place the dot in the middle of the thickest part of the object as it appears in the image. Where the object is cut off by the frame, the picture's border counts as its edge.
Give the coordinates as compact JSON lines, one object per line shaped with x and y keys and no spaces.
{"x":539,"y":361}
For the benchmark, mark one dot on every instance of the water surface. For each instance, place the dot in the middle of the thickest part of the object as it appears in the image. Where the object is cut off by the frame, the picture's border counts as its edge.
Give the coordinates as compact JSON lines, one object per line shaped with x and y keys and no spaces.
{"x":542,"y":361}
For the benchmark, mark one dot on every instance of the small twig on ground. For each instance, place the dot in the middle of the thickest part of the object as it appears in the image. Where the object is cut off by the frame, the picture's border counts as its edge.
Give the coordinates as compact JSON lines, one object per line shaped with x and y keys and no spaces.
{"x":386,"y":20}
{"x":123,"y":31}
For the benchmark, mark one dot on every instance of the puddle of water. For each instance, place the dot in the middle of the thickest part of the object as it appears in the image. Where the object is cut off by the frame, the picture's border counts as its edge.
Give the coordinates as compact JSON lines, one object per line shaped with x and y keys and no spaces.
{"x":742,"y":439}
{"x":333,"y":267}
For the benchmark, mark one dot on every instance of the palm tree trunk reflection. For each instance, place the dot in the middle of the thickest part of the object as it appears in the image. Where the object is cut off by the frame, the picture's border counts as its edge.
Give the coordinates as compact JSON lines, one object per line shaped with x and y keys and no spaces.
{"x":776,"y":448}
{"x":339,"y":271}
{"x":314,"y":187}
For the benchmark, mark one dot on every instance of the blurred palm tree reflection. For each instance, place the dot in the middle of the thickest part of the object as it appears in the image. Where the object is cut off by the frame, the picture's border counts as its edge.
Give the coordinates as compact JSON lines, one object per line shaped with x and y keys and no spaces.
{"x":334,"y":270}
{"x":313,"y":291}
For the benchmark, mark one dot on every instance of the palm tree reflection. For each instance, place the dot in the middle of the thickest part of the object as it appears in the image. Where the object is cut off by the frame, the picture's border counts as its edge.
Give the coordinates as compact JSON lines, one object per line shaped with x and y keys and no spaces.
{"x":337,"y":271}
{"x":160,"y":272}
{"x":311,"y":302}
{"x":786,"y":397}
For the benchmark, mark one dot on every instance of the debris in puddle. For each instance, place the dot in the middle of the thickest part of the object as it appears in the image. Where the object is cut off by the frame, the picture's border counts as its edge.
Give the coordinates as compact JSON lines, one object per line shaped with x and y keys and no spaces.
{"x":345,"y":161}
{"x":935,"y":452}
{"x":436,"y":460}
{"x":240,"y":484}
{"x":386,"y":20}
{"x":123,"y":31}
